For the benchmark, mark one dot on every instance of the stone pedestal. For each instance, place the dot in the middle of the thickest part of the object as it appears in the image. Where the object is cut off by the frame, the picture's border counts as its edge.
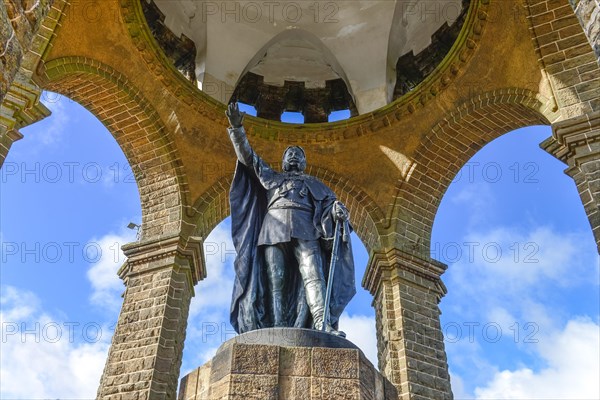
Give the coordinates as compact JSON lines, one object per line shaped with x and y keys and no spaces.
{"x":287,"y":363}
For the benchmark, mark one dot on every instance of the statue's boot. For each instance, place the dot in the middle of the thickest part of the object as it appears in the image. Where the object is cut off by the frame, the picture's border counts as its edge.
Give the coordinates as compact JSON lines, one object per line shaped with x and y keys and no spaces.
{"x":315,"y":297}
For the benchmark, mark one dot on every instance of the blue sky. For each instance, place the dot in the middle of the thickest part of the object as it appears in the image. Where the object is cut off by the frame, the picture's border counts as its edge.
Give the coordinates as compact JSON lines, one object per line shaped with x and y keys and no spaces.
{"x":520,"y":318}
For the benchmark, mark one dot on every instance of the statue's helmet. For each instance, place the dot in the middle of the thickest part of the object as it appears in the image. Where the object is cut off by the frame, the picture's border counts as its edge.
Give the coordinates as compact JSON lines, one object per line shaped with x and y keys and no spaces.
{"x":290,"y":154}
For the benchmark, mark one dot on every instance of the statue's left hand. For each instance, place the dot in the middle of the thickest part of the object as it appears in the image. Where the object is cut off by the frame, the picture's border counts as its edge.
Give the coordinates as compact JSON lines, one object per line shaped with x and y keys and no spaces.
{"x":236,"y":118}
{"x":340,"y":212}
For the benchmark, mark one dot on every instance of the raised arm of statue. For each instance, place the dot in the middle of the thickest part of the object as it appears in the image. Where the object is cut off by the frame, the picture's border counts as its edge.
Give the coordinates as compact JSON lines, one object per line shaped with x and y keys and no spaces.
{"x":244,"y":152}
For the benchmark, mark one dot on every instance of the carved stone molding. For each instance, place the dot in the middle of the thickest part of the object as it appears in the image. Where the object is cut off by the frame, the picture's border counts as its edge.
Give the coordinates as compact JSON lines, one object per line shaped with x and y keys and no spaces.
{"x":156,"y":253}
{"x":396,"y":264}
{"x":575,"y":140}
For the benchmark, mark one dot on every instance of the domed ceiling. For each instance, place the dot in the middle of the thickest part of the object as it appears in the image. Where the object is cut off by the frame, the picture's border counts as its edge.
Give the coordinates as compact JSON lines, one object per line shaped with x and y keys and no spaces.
{"x":312,"y":57}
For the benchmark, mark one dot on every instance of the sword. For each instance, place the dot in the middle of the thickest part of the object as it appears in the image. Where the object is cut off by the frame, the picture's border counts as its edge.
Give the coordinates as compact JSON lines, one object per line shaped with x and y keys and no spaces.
{"x":334,"y":258}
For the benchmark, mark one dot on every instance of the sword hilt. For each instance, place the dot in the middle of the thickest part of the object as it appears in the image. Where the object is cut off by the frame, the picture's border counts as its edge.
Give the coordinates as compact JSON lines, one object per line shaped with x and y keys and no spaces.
{"x":345,"y":229}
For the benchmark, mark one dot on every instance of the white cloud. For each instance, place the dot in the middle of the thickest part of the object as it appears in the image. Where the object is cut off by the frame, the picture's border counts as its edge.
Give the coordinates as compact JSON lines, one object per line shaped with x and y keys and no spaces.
{"x":458,"y":387}
{"x":527,"y":293}
{"x":571,"y":373}
{"x":360,"y":330}
{"x":214,"y":292}
{"x":518,"y":267}
{"x":57,"y":122}
{"x":107,"y":287}
{"x":208,"y":322}
{"x":476,"y":198}
{"x":524,"y":258}
{"x":50,"y":361}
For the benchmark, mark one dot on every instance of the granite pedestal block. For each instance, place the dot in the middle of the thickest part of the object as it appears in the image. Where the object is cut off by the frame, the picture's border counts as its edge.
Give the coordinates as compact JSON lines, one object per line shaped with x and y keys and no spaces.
{"x":287,"y":363}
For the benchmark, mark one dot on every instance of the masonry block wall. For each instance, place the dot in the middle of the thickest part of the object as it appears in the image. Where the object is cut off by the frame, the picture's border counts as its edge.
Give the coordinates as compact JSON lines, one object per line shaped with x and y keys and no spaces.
{"x":564,"y":52}
{"x":20,"y":21}
{"x":588,"y":13}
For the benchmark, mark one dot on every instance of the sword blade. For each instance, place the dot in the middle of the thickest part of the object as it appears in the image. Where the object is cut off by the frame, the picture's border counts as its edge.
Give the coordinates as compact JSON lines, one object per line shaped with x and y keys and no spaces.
{"x":334,"y":258}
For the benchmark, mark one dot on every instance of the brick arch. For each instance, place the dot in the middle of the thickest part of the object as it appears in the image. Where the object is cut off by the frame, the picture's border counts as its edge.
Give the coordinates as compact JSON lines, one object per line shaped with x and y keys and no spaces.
{"x":444,"y":151}
{"x":366,"y":218}
{"x":138,"y":130}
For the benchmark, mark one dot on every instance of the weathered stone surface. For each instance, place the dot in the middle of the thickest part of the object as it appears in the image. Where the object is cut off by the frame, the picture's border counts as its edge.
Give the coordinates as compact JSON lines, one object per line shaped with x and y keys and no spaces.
{"x":588,"y":13}
{"x":255,"y":359}
{"x":294,"y":361}
{"x":293,"y":387}
{"x":145,"y":355}
{"x":250,"y":386}
{"x":258,"y":371}
{"x":407,"y":290}
{"x":338,"y":363}
{"x":334,"y":389}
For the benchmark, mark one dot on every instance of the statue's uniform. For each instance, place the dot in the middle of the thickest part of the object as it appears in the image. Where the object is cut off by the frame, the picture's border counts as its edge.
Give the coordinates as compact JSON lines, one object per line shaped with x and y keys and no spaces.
{"x":291,"y":229}
{"x":290,"y":210}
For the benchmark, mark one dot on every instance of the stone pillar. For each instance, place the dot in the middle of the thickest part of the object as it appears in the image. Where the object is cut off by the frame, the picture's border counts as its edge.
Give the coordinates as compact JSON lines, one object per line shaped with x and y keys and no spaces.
{"x":406,"y":291}
{"x":270,"y":104}
{"x":146,"y":351}
{"x":588,"y":14}
{"x":576,"y":142}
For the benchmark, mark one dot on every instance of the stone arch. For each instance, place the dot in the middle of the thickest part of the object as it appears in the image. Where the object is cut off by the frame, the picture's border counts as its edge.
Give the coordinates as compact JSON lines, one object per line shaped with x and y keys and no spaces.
{"x":314,"y":41}
{"x":137,"y":128}
{"x":313,"y":81}
{"x":443,"y":152}
{"x":366,"y":218}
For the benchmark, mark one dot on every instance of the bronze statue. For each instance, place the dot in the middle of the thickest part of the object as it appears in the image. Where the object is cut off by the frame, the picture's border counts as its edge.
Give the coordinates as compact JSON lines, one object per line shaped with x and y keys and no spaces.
{"x":283,"y":226}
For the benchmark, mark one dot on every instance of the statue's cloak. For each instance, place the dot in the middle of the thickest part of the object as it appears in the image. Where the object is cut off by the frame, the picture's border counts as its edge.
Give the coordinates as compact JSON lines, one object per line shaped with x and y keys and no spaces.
{"x":250,"y":305}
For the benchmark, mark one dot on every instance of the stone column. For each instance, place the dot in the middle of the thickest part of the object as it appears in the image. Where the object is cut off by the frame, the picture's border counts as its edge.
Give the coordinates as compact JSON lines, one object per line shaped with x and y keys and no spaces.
{"x":406,"y":291}
{"x":146,"y":351}
{"x":588,"y":14}
{"x":576,"y":142}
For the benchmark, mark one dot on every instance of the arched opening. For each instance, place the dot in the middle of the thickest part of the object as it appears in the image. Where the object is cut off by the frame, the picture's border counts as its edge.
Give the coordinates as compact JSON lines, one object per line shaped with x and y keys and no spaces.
{"x":68,"y":194}
{"x":294,"y":72}
{"x":450,"y":144}
{"x":292,"y":117}
{"x":520,"y":319}
{"x":136,"y":127}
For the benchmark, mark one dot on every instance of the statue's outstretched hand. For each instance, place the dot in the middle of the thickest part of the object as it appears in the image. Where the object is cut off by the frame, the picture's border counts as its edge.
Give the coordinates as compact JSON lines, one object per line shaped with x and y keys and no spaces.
{"x":236,"y":118}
